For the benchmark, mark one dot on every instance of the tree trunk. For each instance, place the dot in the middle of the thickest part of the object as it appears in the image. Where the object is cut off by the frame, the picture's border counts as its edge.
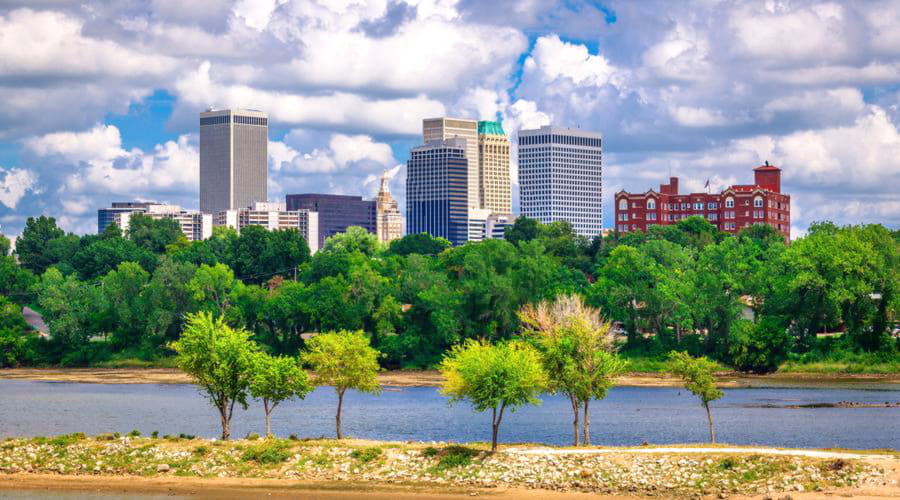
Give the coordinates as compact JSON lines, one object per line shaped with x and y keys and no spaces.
{"x":338,"y":416}
{"x":587,"y":424}
{"x":268,"y":412}
{"x":496,"y":418}
{"x":712,"y":431}
{"x":575,"y":422}
{"x":226,"y":424}
{"x":677,"y":333}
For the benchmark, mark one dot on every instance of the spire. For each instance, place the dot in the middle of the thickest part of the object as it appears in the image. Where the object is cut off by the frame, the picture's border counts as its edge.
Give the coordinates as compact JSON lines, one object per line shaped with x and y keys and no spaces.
{"x":385,"y":181}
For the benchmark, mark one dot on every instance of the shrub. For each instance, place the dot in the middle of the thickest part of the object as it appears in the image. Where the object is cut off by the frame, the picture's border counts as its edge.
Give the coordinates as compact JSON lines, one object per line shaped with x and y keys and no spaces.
{"x":201,"y":450}
{"x":366,"y":455}
{"x":293,"y":437}
{"x":252,"y":436}
{"x":67,"y":439}
{"x":154,"y":434}
{"x":186,"y":436}
{"x":135,"y":433}
{"x":759,"y":347}
{"x":454,"y":456}
{"x":268,"y":452}
{"x":430,"y":452}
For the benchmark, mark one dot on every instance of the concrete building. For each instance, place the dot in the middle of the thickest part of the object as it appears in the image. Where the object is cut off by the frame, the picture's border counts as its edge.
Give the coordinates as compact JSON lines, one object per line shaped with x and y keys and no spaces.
{"x":560,"y":177}
{"x":735,"y":208}
{"x":389,"y":222}
{"x":485,"y":224}
{"x":494,"y":192}
{"x":336,"y":212}
{"x":233,"y":159}
{"x":439,"y":129}
{"x":194,"y":225}
{"x":273,"y":216}
{"x":437,"y":186}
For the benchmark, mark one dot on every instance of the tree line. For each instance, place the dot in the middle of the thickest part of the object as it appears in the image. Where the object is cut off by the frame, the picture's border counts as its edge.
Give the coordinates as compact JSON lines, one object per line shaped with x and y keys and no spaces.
{"x":749,"y":301}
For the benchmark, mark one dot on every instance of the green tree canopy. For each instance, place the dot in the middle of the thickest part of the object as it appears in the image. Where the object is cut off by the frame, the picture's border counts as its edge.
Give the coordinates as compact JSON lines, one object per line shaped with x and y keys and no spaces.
{"x":697,"y":374}
{"x":220,"y":360}
{"x":421,"y":243}
{"x":32,"y":245}
{"x":277,"y":379}
{"x":493,"y":377}
{"x":343,"y":360}
{"x":153,"y":235}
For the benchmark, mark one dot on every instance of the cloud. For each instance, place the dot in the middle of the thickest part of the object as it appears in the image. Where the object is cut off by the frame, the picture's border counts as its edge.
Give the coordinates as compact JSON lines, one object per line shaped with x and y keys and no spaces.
{"x":14,"y":184}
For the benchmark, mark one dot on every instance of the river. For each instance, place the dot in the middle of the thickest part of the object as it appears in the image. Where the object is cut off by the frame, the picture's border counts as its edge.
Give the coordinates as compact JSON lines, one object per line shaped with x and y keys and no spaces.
{"x":628,"y":416}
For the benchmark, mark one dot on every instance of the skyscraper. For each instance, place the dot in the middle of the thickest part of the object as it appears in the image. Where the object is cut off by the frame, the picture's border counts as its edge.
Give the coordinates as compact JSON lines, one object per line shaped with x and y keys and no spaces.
{"x":336,"y":212}
{"x":560,"y":177}
{"x":493,"y":168}
{"x":439,"y":129}
{"x":437,"y":190}
{"x":389,"y":221}
{"x":233,"y":159}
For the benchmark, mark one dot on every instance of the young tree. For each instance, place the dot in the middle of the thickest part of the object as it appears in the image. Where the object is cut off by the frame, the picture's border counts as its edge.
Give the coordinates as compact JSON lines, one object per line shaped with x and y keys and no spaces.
{"x":576,"y":346}
{"x":495,"y":377}
{"x":697,"y":374}
{"x":276,"y":379}
{"x":220,"y":359}
{"x":343,"y":360}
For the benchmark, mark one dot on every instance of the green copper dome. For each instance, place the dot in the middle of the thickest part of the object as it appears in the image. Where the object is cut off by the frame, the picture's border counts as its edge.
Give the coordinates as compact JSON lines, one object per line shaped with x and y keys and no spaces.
{"x":490,"y":128}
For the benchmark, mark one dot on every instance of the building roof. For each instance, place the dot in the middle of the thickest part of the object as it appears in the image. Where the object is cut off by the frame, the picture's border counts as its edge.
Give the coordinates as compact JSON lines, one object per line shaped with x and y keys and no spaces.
{"x":766,"y":168}
{"x":490,"y":128}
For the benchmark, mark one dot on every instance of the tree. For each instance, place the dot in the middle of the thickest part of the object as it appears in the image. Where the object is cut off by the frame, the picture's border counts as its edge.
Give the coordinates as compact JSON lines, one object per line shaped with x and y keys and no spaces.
{"x":4,"y":246}
{"x":760,"y":347}
{"x":220,"y":359}
{"x":276,"y":379}
{"x":71,"y":308}
{"x":576,"y":346}
{"x":15,"y":282}
{"x":343,"y":360}
{"x":421,"y":243}
{"x":495,"y":377}
{"x":152,"y":234}
{"x":523,"y":229}
{"x":32,"y":245}
{"x":122,"y":291}
{"x":211,"y":287}
{"x":168,"y":299}
{"x":97,"y":256}
{"x":354,"y":239}
{"x":697,"y":374}
{"x":13,"y":331}
{"x":626,"y":288}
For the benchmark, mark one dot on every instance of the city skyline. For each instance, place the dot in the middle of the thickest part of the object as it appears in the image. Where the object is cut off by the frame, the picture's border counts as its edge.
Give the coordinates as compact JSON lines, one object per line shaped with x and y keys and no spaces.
{"x":700,"y":96}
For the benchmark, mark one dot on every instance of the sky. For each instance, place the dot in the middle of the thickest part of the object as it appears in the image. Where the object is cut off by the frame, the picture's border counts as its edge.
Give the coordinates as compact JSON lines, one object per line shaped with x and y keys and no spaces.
{"x":100,"y":100}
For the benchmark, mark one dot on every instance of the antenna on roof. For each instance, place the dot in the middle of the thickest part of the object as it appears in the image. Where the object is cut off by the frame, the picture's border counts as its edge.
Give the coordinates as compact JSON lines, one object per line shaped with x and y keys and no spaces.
{"x":767,"y":163}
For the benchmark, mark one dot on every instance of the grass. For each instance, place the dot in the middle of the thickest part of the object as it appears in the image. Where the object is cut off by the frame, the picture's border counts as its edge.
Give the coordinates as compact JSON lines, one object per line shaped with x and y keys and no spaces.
{"x":272,"y":451}
{"x":452,"y":457}
{"x":366,"y":455}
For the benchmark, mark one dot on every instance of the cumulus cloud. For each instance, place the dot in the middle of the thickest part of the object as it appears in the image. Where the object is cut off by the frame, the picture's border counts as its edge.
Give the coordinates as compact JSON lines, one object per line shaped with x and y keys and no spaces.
{"x":14,"y":184}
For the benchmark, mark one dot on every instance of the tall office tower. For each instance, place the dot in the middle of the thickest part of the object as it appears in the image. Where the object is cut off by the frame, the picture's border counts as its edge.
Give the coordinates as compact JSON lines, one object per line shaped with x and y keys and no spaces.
{"x":233,"y":159}
{"x":493,"y":168}
{"x":439,"y":129}
{"x":560,"y":177}
{"x":336,"y":212}
{"x":437,"y":190}
{"x":389,"y":222}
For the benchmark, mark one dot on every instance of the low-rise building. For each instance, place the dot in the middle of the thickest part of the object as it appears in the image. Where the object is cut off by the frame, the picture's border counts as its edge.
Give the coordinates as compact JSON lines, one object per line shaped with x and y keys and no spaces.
{"x":486,"y":225}
{"x":273,"y":216}
{"x":194,"y":225}
{"x":336,"y":212}
{"x":737,"y":207}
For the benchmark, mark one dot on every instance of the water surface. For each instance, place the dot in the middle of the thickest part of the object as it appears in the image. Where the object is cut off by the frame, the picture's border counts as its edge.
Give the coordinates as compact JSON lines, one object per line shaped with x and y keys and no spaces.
{"x":628,"y":416}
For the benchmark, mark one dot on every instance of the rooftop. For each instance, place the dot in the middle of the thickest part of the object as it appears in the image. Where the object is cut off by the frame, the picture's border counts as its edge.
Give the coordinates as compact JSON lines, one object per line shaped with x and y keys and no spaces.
{"x":490,"y":128}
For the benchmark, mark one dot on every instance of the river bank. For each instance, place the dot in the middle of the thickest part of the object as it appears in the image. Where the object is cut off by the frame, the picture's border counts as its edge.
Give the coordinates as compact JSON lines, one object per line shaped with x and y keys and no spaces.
{"x":180,"y":466}
{"x":433,"y":378}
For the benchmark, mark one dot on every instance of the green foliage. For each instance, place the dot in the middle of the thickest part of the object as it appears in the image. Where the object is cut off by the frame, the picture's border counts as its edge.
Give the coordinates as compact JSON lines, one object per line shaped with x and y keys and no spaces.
{"x":760,"y":347}
{"x":152,"y":234}
{"x":31,"y":246}
{"x":366,"y":455}
{"x":268,"y":452}
{"x":343,"y":360}
{"x":14,"y":348}
{"x":16,"y":283}
{"x":493,"y":377}
{"x":211,"y":287}
{"x":697,"y":374}
{"x":220,"y":360}
{"x":354,"y":239}
{"x":451,"y":457}
{"x":422,"y":244}
{"x":276,"y":379}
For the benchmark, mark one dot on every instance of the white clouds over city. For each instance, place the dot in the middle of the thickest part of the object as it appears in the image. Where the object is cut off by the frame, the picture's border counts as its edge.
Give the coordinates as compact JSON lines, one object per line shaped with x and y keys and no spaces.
{"x":701,"y":89}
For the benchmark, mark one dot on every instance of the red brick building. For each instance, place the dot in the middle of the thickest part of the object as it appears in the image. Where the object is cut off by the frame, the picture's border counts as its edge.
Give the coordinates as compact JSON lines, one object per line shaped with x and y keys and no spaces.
{"x":733,"y":209}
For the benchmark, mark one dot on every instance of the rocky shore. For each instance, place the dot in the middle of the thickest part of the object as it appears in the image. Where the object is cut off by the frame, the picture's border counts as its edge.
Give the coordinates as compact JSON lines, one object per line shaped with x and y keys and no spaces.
{"x":667,"y":473}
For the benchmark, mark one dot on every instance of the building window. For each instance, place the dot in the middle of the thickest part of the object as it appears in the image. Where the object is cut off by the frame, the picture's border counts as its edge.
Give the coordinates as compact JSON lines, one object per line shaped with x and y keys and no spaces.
{"x":729,"y":202}
{"x":623,"y":204}
{"x":758,"y":202}
{"x":698,"y":206}
{"x":651,"y":204}
{"x":712,"y":206}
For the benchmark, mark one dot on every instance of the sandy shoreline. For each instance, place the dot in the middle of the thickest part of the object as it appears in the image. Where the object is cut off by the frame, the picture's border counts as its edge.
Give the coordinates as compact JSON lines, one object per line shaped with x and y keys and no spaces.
{"x":433,"y":378}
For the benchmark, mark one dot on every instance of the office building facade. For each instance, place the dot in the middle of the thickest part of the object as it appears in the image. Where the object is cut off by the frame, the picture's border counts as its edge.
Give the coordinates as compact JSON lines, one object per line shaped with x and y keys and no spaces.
{"x":336,"y":212}
{"x":494,"y":191}
{"x":274,"y":217}
{"x":439,"y":129}
{"x":389,"y":222}
{"x":194,"y":225}
{"x":233,"y":159}
{"x":735,"y":208}
{"x":560,"y":177}
{"x":437,"y":186}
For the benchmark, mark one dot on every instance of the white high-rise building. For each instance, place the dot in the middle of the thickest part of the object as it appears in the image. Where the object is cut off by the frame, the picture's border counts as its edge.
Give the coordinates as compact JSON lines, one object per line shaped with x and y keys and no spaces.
{"x":273,"y":216}
{"x":233,"y":159}
{"x":560,"y":177}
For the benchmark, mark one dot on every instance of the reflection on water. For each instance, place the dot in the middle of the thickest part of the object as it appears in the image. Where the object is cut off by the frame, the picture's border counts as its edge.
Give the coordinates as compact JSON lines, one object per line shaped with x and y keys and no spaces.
{"x":629,"y":416}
